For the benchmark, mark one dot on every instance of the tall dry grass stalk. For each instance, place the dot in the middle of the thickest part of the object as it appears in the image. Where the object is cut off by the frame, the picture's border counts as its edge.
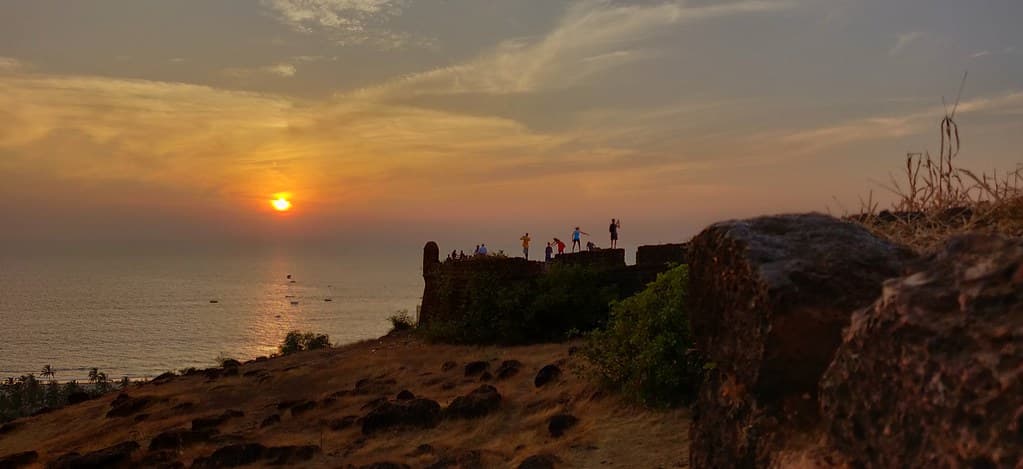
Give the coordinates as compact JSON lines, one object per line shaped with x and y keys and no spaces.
{"x":936,"y":199}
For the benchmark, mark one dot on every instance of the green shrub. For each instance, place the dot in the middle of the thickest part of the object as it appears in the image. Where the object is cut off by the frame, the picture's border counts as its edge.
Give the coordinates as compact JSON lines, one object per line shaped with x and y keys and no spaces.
{"x":297,"y":341}
{"x":500,"y":310}
{"x":646,"y":350}
{"x":401,"y":321}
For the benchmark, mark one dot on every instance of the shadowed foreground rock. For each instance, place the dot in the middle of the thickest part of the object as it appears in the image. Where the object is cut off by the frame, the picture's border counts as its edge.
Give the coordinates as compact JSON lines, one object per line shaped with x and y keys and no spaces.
{"x":115,"y":456}
{"x":418,"y":413}
{"x":768,"y":300}
{"x":931,"y":375}
{"x":18,"y":460}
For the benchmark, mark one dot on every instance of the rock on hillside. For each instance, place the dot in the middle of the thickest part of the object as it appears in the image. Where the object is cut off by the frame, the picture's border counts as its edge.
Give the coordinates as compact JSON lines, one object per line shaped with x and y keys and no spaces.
{"x":931,"y":375}
{"x":768,"y":298}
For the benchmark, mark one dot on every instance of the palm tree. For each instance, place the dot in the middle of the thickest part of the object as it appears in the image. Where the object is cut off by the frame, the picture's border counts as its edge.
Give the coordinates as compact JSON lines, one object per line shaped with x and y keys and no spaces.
{"x":47,"y":372}
{"x":94,"y":375}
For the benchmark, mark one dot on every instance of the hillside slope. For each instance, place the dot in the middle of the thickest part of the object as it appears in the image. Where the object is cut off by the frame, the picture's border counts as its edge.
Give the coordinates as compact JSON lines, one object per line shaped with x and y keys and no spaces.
{"x":321,"y":398}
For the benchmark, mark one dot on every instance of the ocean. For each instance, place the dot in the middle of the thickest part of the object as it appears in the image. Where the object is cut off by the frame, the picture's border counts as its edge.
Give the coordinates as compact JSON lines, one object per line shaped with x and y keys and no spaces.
{"x":139,"y":311}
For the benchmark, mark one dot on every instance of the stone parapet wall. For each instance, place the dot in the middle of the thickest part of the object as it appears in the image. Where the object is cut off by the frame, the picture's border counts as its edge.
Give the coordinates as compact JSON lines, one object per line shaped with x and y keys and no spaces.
{"x":445,"y":293}
{"x":661,"y":254}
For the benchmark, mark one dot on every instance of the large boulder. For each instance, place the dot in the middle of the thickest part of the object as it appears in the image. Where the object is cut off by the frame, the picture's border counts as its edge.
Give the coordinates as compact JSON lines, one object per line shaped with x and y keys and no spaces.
{"x":931,"y":375}
{"x":14,"y":461}
{"x":111,"y":457}
{"x":480,"y":402}
{"x":418,"y":413}
{"x":768,"y":298}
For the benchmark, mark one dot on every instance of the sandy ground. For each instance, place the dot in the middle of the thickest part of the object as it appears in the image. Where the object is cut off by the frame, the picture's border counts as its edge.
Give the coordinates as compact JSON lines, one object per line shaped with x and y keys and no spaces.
{"x":609,"y":433}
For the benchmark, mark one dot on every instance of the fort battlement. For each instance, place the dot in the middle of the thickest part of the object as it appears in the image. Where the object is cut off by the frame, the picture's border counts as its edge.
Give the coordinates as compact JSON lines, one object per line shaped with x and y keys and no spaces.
{"x":446,"y":290}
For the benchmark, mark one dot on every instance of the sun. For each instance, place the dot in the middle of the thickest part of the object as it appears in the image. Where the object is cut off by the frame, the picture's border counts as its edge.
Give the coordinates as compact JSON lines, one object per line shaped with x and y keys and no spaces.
{"x":281,"y":204}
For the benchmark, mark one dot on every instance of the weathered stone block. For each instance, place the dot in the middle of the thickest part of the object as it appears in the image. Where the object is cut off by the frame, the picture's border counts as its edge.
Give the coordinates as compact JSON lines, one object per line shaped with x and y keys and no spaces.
{"x":768,"y":300}
{"x":931,"y":375}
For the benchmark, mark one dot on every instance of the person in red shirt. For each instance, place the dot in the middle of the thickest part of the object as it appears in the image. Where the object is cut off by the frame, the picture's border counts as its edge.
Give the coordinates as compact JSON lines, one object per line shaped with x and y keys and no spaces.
{"x":561,"y":245}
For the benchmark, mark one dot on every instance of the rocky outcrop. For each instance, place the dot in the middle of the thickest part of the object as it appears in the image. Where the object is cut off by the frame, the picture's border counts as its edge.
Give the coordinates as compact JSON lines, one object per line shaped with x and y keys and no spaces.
{"x":559,"y":423}
{"x":931,"y":375}
{"x":539,"y":461}
{"x":768,"y":300}
{"x":546,"y":374}
{"x":247,"y":453}
{"x":476,"y":368}
{"x":418,"y":413}
{"x":179,"y":439}
{"x":17,"y":460}
{"x":115,"y":456}
{"x":211,"y":422}
{"x":482,"y":401}
{"x":124,"y":405}
{"x":508,"y":369}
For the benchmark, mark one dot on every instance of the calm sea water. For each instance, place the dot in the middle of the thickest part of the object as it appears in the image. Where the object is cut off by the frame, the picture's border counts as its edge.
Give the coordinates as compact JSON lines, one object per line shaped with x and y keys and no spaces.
{"x":142,"y":311}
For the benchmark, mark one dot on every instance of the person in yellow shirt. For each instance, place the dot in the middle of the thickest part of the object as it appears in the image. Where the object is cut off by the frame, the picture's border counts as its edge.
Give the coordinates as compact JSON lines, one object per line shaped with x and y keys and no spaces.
{"x":525,"y":245}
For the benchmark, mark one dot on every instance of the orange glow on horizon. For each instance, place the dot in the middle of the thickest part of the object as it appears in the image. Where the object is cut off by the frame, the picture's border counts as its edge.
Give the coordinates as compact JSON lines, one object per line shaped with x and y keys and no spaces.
{"x":281,"y":203}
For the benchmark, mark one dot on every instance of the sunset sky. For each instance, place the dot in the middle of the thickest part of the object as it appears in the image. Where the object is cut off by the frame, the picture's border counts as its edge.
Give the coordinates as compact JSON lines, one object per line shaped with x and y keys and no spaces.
{"x":469,"y":120}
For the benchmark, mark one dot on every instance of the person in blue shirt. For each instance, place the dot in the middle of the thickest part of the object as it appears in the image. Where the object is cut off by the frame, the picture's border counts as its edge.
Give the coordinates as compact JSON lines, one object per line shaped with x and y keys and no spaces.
{"x":577,"y":239}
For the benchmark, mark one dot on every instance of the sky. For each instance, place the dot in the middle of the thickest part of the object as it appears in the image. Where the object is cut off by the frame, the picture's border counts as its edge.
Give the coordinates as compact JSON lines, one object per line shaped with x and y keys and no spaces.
{"x":400,"y":121}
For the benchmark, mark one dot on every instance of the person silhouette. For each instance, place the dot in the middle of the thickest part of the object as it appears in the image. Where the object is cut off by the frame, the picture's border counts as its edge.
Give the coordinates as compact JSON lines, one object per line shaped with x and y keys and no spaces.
{"x":613,"y":228}
{"x":548,"y":253}
{"x":560,"y":244}
{"x":525,"y":245}
{"x":577,"y":239}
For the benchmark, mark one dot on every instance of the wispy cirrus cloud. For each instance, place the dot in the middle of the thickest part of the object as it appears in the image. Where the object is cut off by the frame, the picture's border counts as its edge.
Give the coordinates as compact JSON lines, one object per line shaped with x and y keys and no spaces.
{"x":903,"y":41}
{"x":344,"y":21}
{"x":900,"y":125}
{"x":283,"y":70}
{"x":10,"y":64}
{"x":592,"y":37}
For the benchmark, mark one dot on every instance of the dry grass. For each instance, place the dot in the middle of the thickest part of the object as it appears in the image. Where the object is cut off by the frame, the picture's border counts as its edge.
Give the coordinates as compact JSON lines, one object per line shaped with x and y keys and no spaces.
{"x":610,"y":430}
{"x":936,"y":199}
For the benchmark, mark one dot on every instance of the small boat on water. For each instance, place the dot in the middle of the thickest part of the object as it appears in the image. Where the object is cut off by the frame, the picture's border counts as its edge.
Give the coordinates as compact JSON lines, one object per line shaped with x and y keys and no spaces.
{"x":328,"y":299}
{"x":214,"y":301}
{"x":294,"y":302}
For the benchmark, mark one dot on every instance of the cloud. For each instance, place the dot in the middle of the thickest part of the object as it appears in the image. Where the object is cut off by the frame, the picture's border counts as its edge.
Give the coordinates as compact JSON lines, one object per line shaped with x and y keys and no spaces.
{"x":903,"y":41}
{"x":283,"y":70}
{"x":9,"y":64}
{"x":886,"y":127}
{"x":592,"y":37}
{"x":345,"y":21}
{"x":980,"y":54}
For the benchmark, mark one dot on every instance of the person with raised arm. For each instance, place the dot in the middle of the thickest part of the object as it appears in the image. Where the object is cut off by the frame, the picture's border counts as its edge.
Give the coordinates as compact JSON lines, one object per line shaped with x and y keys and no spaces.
{"x":615,"y":226}
{"x":577,"y":238}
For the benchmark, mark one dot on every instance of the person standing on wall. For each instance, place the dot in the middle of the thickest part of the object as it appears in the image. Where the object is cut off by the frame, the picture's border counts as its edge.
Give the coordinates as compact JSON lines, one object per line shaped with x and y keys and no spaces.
{"x":548,"y":253}
{"x":561,"y":245}
{"x":615,"y":225}
{"x":525,"y":245}
{"x":577,"y":239}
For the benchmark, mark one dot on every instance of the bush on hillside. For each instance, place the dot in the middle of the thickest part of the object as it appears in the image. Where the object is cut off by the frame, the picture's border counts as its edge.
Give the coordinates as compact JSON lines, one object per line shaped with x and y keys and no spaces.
{"x":297,"y":341}
{"x":646,"y":350}
{"x":401,"y":321}
{"x":496,"y":311}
